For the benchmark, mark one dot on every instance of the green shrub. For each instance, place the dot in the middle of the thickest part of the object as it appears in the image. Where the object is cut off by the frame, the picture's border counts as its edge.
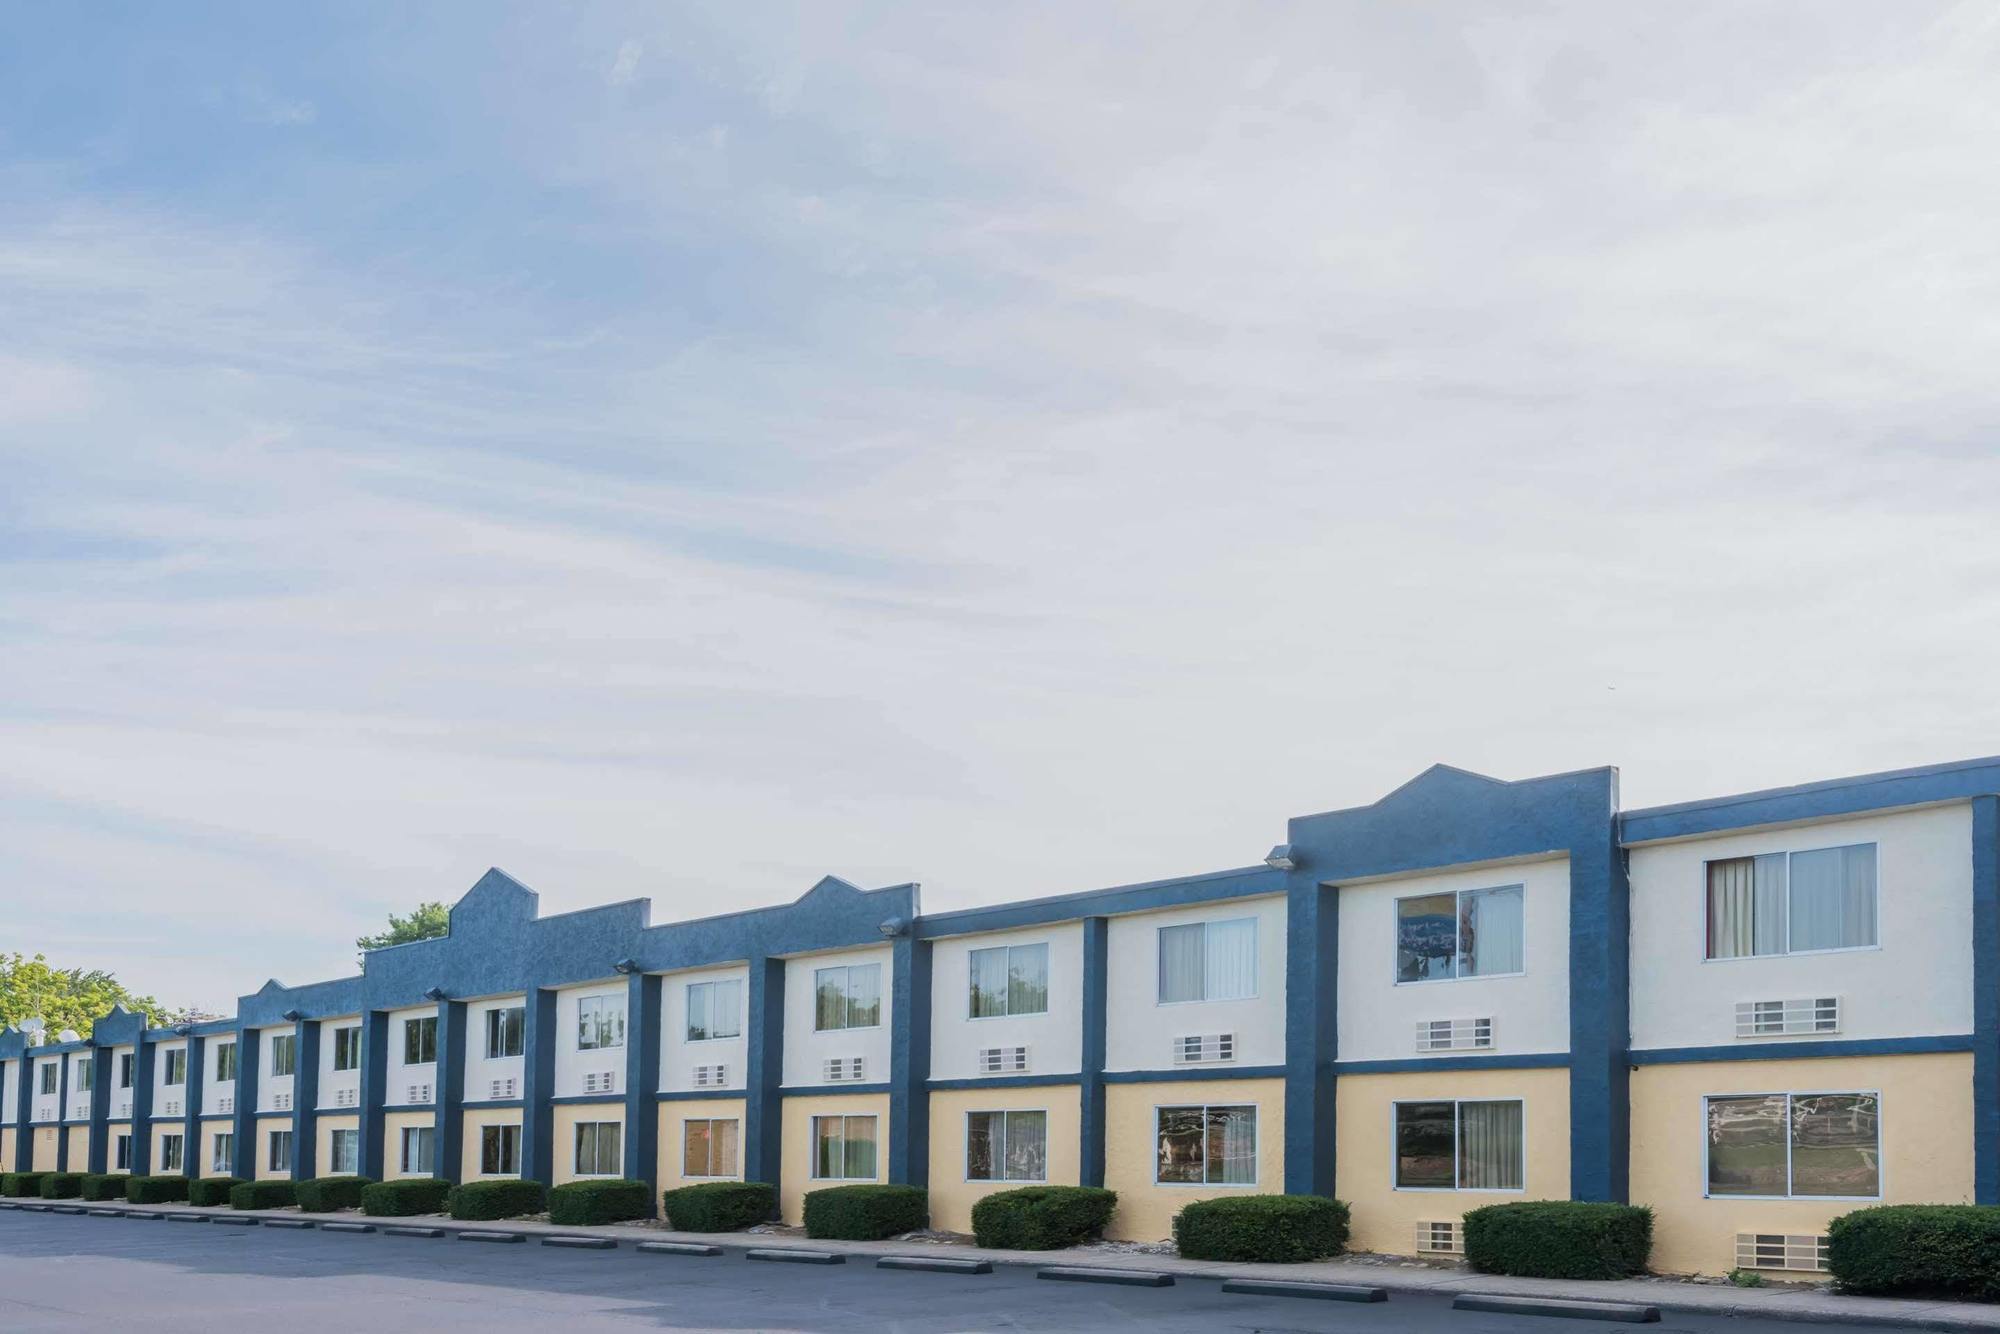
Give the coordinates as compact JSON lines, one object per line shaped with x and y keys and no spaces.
{"x":262,"y":1195}
{"x":400,"y":1199}
{"x":324,"y":1195}
{"x":720,"y":1206}
{"x":613,"y":1200}
{"x":1559,"y":1239}
{"x":211,"y":1190}
{"x":866,"y":1213}
{"x":1948,"y":1249}
{"x":478,"y":1201}
{"x":104,"y":1186}
{"x":1042,"y":1218}
{"x":156,"y":1190}
{"x":26,"y":1184}
{"x":1279,"y":1229}
{"x":62,"y":1185}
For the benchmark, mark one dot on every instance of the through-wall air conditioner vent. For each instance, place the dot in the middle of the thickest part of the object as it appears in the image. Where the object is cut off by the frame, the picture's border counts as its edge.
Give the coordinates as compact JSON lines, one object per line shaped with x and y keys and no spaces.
{"x":418,"y":1093}
{"x":1002,"y":1060}
{"x":1204,"y":1048}
{"x":172,"y":1108}
{"x":1778,"y":1250}
{"x":1439,"y":1238}
{"x":504,"y":1088}
{"x":124,"y":1108}
{"x":1781,"y":1018}
{"x":600,"y":1081}
{"x":346,"y":1097}
{"x":843,"y":1069}
{"x":1454,"y":1034}
{"x":45,"y":1113}
{"x":711,"y":1076}
{"x":227,"y":1105}
{"x":282,"y":1102}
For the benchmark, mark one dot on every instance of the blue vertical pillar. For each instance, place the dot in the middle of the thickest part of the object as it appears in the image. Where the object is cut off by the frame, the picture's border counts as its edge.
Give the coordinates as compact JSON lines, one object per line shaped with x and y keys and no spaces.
{"x":305,"y":1098}
{"x":197,"y":1052}
{"x":100,"y":1109}
{"x":1986,"y":1000}
{"x":764,"y":1073}
{"x":1599,"y":1001}
{"x":144,"y":1053}
{"x":374,"y":1088}
{"x":249,"y":1093}
{"x":24,"y":1103}
{"x":910,"y":1061}
{"x":538,"y":1085}
{"x":642,"y":1078}
{"x":450,"y":1090}
{"x":62,"y":1112}
{"x":1312,"y":949}
{"x":1096,"y":994}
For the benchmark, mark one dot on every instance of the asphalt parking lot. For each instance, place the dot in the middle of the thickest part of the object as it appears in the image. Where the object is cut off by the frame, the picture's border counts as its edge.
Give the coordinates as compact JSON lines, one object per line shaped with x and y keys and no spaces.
{"x":61,"y":1273}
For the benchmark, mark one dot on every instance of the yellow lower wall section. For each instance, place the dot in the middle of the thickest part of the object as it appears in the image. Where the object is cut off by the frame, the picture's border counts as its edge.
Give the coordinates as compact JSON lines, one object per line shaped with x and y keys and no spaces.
{"x":476,"y":1120}
{"x":7,"y":1150}
{"x":567,"y":1117}
{"x":795,"y":1172}
{"x":1145,"y":1209}
{"x":42,"y":1149}
{"x":79,"y":1148}
{"x":1926,"y":1119}
{"x":260,"y":1152}
{"x":393,"y":1124}
{"x":674,"y":1115}
{"x":204,"y":1165}
{"x":952,"y":1196}
{"x":323,"y":1141}
{"x":111,"y":1135}
{"x":1385,"y":1219}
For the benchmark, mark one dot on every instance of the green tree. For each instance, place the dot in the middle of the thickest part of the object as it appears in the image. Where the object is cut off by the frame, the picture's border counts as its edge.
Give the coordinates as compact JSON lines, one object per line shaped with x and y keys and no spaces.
{"x":426,"y":921}
{"x":63,"y":997}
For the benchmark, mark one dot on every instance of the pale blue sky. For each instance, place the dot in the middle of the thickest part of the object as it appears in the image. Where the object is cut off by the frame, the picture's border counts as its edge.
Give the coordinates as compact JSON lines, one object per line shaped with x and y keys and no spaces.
{"x":684,"y":451}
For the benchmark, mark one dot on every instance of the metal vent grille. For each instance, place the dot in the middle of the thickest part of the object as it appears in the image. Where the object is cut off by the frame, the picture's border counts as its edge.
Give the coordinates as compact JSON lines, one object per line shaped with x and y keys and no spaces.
{"x":417,"y":1093}
{"x":281,"y":1102}
{"x":1002,"y":1060}
{"x":600,"y":1081}
{"x":711,"y":1076}
{"x":1454,"y":1034}
{"x":346,"y":1097}
{"x":1204,"y":1048}
{"x":228,"y":1105}
{"x":172,"y":1107}
{"x":843,"y":1069}
{"x":503,"y":1088}
{"x":1439,"y":1238}
{"x":1780,"y":1250}
{"x":1778,"y":1018}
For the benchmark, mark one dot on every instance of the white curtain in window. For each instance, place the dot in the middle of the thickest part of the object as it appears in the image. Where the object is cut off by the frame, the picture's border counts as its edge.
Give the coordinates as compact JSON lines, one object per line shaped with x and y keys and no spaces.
{"x":1232,"y":1146}
{"x":1027,"y":1146}
{"x":1833,"y":898}
{"x":698,"y":994}
{"x":1181,"y":959}
{"x":1489,"y":1146}
{"x":1231,"y":959}
{"x":989,"y":983}
{"x":1490,"y":932}
{"x":1746,"y":906}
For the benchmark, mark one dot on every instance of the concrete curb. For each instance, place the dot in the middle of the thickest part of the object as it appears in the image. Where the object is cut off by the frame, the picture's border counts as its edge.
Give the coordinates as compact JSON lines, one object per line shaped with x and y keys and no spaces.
{"x":1618,"y":1313}
{"x":406,"y":1230}
{"x":777,"y":1255}
{"x":675,"y":1248}
{"x":1124,"y":1278}
{"x":582,"y":1243}
{"x":1326,"y":1292}
{"x":935,"y":1264}
{"x":502,"y":1237}
{"x":236,"y":1222}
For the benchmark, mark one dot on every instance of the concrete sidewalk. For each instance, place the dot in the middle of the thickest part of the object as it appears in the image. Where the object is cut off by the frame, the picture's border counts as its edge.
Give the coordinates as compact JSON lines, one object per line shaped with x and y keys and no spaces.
{"x":1792,"y":1303}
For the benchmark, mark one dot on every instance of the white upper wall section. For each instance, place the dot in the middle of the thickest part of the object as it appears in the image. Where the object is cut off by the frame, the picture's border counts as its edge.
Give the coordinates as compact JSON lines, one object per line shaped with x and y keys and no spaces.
{"x":79,"y":1096}
{"x":122,"y":1098}
{"x":9,"y":1094}
{"x":807,"y":1051}
{"x":1916,"y":982}
{"x":1054,"y":1038}
{"x":274,"y":1091}
{"x":408,"y":1083}
{"x":338,"y":1089}
{"x":587,"y":1069}
{"x":46,"y":1106}
{"x":1378,"y":1016}
{"x":678,"y":1056}
{"x":218,"y":1095}
{"x":169,"y":1100}
{"x":496,"y":1077}
{"x":1139,"y":1030}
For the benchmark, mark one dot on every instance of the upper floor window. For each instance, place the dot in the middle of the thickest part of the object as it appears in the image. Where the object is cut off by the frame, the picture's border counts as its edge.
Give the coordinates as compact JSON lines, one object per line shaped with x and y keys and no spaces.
{"x":225,"y":1061}
{"x":85,"y":1076}
{"x":849,"y":997}
{"x":49,"y":1075}
{"x":420,"y":1040}
{"x":506,"y":1032}
{"x":177,"y":1067}
{"x":127,"y":1062}
{"x":1818,"y":1145}
{"x":284,"y":1055}
{"x":347,"y":1047}
{"x":1010,"y":979}
{"x":1459,"y":1146}
{"x":1470,"y":933}
{"x":600,"y":1022}
{"x":1792,"y":903}
{"x":1208,"y":961}
{"x":715,"y":1010}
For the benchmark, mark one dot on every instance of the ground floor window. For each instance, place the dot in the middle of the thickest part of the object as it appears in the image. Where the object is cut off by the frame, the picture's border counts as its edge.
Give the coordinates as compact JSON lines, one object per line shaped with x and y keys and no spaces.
{"x":1459,"y":1146}
{"x":419,"y":1150}
{"x":278,"y":1157}
{"x":499,"y":1151}
{"x":1781,"y":1145}
{"x":344,"y":1147}
{"x":843,"y":1148}
{"x":1007,"y":1146}
{"x":599,"y":1148}
{"x":170,"y":1153}
{"x":121,"y":1153}
{"x":708,"y":1148}
{"x":224,"y":1161}
{"x":1205,"y":1146}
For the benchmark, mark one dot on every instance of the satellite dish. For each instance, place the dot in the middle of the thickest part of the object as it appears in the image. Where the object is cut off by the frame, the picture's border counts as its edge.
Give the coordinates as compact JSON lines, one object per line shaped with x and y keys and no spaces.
{"x":69,"y":1035}
{"x":33,"y":1028}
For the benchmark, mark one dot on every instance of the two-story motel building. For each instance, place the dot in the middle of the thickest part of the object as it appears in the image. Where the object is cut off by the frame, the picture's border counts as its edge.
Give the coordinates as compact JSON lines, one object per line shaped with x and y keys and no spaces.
{"x":1752,"y":1013}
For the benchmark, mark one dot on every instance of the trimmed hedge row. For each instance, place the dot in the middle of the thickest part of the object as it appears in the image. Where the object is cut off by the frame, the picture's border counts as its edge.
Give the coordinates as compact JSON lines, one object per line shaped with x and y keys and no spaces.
{"x":325,"y":1195}
{"x":719,"y":1206}
{"x":612,"y":1200}
{"x":1951,"y":1249}
{"x":1559,"y":1239}
{"x":402,"y":1198}
{"x":62,"y":1185}
{"x":104,"y":1186}
{"x":482,"y":1201}
{"x":22,"y":1184}
{"x":1042,"y":1218}
{"x":262,"y":1195}
{"x":866,"y":1213}
{"x":211,"y":1190}
{"x":1278,"y":1229}
{"x":156,"y":1190}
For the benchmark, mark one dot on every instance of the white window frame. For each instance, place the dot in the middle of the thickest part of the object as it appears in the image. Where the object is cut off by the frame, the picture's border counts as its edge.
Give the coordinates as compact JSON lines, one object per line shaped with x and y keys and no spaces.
{"x":1455,"y":1188}
{"x":225,"y":1050}
{"x":340,"y":1038}
{"x":496,"y":1028}
{"x":128,"y":1069}
{"x":736,"y":1173}
{"x":1257,"y":1158}
{"x":86,"y":1075}
{"x":222,"y":1158}
{"x":846,"y":971}
{"x":403,"y":1142}
{"x":1009,"y":1013}
{"x":603,"y":1014}
{"x":121,"y":1151}
{"x":597,"y":1149}
{"x":49,"y":1075}
{"x":272,"y":1139}
{"x":173,"y":1146}
{"x":175,"y":1059}
{"x":812,"y":1143}
{"x":712,"y":984}
{"x":1000,"y":1152}
{"x":1875,"y":921}
{"x":333,"y":1142}
{"x":499,"y":1130}
{"x":415,"y":1023}
{"x":1256,"y":964}
{"x":1881,"y":1158}
{"x":1457,"y":911}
